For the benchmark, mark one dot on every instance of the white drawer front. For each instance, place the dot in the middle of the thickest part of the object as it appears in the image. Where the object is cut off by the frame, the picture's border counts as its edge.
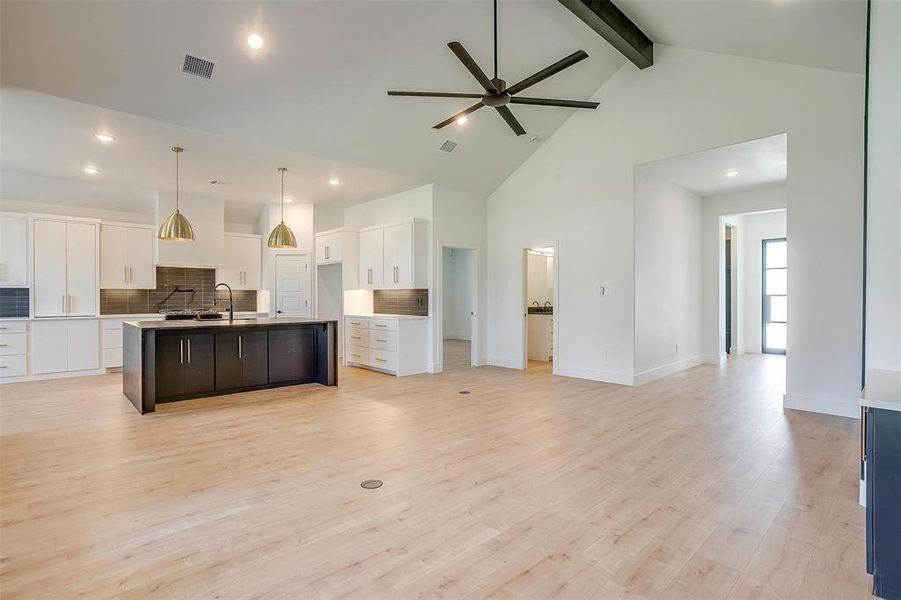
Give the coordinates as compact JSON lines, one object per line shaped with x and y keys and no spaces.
{"x":113,"y":324}
{"x":383,"y":359}
{"x":356,"y":322}
{"x":13,"y":366}
{"x":13,"y":343}
{"x":383,"y":340}
{"x":354,"y":336}
{"x":12,"y":326}
{"x":112,"y":357}
{"x":383,"y":324}
{"x":112,"y":338}
{"x":356,"y":355}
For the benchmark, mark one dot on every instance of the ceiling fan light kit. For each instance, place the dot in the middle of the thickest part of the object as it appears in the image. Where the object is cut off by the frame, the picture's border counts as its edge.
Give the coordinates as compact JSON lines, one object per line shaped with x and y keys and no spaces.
{"x":497,"y":95}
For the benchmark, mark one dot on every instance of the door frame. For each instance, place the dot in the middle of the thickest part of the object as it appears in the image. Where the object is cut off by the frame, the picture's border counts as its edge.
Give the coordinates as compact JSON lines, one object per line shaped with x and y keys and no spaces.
{"x":309,"y":255}
{"x":524,"y":305}
{"x":475,"y":336}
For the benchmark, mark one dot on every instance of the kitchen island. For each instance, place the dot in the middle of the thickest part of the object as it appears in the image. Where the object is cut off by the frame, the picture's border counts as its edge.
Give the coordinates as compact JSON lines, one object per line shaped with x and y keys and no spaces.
{"x":166,"y":361}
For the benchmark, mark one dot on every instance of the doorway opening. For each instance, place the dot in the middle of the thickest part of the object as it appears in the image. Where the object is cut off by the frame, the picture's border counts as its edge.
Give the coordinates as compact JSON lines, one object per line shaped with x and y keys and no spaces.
{"x":539,"y":347}
{"x":293,"y":285}
{"x":731,"y":286}
{"x":459,"y":302}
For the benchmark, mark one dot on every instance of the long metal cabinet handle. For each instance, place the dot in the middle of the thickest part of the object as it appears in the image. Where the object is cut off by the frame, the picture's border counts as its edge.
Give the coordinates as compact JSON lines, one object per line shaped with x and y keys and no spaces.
{"x":125,"y":273}
{"x":181,"y":351}
{"x":189,"y":350}
{"x":240,"y":347}
{"x":131,"y":275}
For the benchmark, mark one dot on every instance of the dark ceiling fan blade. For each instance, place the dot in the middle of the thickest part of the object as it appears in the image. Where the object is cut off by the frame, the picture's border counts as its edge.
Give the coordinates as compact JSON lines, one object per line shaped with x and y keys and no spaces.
{"x":434,"y":94}
{"x":553,"y":102}
{"x":468,"y":62}
{"x":548,"y":71}
{"x":511,"y":120}
{"x":462,"y":113}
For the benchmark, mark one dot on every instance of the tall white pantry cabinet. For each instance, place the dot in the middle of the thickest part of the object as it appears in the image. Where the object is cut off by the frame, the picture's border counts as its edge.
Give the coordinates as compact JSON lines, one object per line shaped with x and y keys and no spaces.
{"x":64,"y":270}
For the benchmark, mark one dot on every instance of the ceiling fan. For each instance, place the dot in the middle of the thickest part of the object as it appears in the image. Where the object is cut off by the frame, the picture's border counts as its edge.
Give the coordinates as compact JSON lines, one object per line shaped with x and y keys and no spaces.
{"x":497,"y":94}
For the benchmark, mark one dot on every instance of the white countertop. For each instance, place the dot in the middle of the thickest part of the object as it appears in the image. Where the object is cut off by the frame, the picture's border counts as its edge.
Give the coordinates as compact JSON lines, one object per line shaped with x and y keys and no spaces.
{"x":883,"y":390}
{"x":131,"y":317}
{"x":381,"y":316}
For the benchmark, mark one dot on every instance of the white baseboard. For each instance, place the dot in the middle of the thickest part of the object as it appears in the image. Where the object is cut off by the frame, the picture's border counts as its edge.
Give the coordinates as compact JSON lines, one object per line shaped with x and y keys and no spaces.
{"x":714,"y":359}
{"x":617,"y":377}
{"x":509,"y":363}
{"x":826,"y":406}
{"x":62,"y":375}
{"x":663,"y":371}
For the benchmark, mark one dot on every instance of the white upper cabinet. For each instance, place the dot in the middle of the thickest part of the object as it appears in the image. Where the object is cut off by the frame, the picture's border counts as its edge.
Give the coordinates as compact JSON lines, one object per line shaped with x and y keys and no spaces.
{"x":405,"y":257}
{"x":65,"y":268}
{"x":242,"y":264}
{"x":126,"y":257}
{"x":329,"y":247}
{"x":395,"y":256}
{"x":13,"y":251}
{"x":371,"y":257}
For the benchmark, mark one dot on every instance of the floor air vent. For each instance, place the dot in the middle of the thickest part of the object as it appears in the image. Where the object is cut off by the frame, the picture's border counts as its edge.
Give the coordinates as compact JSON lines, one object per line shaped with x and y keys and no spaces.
{"x":449,"y":146}
{"x":198,"y":66}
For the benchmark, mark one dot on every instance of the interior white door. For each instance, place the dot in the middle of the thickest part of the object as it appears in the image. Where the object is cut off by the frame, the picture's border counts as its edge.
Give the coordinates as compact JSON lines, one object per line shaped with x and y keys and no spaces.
{"x":83,"y":344}
{"x":49,"y":347}
{"x":371,"y":259}
{"x":13,"y":251}
{"x":293,"y":284}
{"x":398,"y":260}
{"x":113,"y":256}
{"x":141,"y":267}
{"x":49,"y":256}
{"x":81,"y":268}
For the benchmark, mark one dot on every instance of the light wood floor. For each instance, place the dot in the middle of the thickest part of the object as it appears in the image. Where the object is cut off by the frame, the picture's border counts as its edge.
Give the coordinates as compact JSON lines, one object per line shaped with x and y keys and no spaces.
{"x":531,"y":486}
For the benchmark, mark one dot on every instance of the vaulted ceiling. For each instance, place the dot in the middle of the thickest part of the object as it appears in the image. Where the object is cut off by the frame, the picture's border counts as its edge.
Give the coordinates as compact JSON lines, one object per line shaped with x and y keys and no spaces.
{"x":315,"y":93}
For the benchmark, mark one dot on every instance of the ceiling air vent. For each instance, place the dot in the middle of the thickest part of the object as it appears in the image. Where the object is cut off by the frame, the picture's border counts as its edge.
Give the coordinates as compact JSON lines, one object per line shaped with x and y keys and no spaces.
{"x":449,"y":146}
{"x":198,"y":66}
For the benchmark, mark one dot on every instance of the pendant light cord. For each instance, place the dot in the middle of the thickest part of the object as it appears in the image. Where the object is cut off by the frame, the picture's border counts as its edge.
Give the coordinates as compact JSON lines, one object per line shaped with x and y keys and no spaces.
{"x":176,"y":182}
{"x":283,"y":195}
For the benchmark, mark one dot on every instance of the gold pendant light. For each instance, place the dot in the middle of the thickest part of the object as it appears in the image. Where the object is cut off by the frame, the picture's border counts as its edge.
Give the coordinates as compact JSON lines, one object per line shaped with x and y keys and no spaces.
{"x":282,"y":236}
{"x":177,"y":228}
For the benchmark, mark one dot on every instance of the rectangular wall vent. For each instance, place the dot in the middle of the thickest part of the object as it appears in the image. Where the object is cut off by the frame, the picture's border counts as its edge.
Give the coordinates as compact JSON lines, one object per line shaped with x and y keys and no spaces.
{"x":449,"y":146}
{"x":198,"y":66}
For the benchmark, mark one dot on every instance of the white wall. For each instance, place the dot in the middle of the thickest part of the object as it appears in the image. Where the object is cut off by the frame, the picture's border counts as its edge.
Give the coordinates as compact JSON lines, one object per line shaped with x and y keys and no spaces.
{"x":884,"y":189}
{"x":668,"y":283}
{"x":460,"y":223}
{"x":539,"y":279}
{"x":458,"y":271}
{"x":578,"y":189}
{"x":753,"y":229}
{"x":207,"y":218}
{"x":718,"y":211}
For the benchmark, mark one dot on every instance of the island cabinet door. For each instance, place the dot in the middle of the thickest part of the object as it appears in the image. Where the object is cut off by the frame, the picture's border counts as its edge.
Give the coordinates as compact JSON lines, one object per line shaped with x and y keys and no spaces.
{"x":200,"y":363}
{"x":228,"y":361}
{"x":291,"y":355}
{"x":255,"y":358}
{"x":170,"y":368}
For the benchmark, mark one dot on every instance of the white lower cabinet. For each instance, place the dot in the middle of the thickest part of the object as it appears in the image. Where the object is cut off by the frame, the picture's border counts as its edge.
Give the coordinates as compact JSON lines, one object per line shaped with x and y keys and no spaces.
{"x":395,"y":345}
{"x":13,"y":349}
{"x":112,"y":340}
{"x":60,"y":346}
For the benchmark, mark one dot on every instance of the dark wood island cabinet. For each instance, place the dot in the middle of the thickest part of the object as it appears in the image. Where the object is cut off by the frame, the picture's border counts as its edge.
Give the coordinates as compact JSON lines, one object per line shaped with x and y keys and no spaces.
{"x":166,"y":361}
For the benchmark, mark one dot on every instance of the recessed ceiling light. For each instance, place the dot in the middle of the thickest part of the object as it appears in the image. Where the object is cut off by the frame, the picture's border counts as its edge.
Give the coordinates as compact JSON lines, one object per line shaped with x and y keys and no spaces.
{"x":462,"y":120}
{"x":334,"y":181}
{"x":731,"y":173}
{"x":255,"y":41}
{"x":91,"y":170}
{"x":104,"y":137}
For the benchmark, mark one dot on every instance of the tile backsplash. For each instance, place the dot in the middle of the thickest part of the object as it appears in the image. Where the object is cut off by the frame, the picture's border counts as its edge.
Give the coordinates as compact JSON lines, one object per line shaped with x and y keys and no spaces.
{"x":202,"y":281}
{"x":401,"y":302}
{"x":13,"y":302}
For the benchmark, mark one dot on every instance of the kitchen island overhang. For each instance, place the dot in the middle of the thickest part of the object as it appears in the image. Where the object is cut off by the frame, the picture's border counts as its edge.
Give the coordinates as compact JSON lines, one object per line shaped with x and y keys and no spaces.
{"x":167,"y":361}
